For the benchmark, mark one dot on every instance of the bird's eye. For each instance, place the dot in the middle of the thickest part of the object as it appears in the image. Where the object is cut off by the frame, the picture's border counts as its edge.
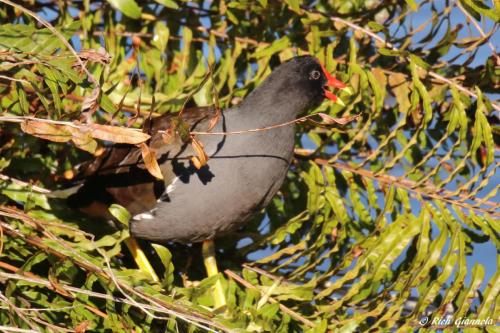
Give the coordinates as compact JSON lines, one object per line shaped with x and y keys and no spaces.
{"x":314,"y":75}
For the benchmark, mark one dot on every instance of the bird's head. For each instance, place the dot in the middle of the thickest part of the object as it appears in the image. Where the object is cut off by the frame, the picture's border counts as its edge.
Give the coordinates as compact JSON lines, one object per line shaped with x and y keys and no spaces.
{"x":296,"y":86}
{"x":310,"y":76}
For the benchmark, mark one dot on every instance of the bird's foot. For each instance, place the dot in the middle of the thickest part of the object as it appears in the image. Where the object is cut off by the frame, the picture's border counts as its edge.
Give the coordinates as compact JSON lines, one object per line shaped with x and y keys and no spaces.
{"x":140,"y":258}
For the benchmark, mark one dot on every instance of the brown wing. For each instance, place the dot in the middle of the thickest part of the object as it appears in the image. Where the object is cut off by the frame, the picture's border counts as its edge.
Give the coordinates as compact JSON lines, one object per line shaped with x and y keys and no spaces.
{"x":119,"y":176}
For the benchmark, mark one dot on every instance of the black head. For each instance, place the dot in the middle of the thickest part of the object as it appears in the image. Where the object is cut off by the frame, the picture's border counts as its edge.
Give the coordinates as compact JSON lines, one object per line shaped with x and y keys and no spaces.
{"x":305,"y":77}
{"x":296,"y":86}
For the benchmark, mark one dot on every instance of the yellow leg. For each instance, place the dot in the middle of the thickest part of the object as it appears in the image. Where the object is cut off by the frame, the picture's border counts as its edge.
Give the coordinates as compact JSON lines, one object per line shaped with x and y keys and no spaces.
{"x":140,"y":258}
{"x":211,"y":267}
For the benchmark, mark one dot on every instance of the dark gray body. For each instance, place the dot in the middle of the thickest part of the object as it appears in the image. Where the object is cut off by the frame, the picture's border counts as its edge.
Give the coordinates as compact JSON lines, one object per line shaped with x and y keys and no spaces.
{"x":242,"y":175}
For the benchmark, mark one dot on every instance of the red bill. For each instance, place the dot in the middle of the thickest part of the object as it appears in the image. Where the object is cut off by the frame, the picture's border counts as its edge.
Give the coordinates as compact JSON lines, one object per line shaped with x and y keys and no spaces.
{"x":334,"y":83}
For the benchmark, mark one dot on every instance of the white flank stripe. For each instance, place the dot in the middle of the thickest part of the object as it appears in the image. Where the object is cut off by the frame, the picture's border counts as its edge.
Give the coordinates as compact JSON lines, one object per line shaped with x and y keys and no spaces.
{"x":171,"y":186}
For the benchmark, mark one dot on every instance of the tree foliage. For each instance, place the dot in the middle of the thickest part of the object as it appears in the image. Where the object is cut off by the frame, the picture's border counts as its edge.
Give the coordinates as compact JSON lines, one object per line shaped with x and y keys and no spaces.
{"x":380,"y":221}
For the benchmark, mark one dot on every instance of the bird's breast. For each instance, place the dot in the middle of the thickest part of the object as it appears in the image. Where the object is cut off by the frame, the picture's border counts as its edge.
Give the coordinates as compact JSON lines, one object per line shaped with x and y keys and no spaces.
{"x":243,"y":173}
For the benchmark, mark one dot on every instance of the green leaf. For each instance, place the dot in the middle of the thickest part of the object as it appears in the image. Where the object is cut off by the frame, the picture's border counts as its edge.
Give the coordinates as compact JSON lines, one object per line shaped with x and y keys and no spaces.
{"x":376,"y":27}
{"x":482,"y":131}
{"x":106,"y":104}
{"x":315,"y":182}
{"x":161,"y":36}
{"x":23,"y":100}
{"x":168,"y":3}
{"x":491,"y":293}
{"x":458,"y":117}
{"x":166,"y":260}
{"x":485,"y":129}
{"x":289,"y":228}
{"x":413,"y":5}
{"x":388,"y":52}
{"x":463,"y":301}
{"x":23,"y":195}
{"x":294,"y":5}
{"x":419,"y":62}
{"x":120,"y":213}
{"x":51,"y":80}
{"x":424,"y":94}
{"x":127,"y":7}
{"x":277,"y":46}
{"x":481,"y":8}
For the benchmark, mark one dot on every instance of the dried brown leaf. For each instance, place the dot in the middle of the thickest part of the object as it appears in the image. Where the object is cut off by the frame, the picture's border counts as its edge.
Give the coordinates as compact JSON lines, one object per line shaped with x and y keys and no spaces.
{"x":329,"y":120}
{"x":214,"y":120}
{"x":149,"y":157}
{"x":100,"y":56}
{"x":82,"y":327}
{"x":201,"y":159}
{"x":401,"y":89}
{"x":118,"y":134}
{"x":90,"y":103}
{"x":380,"y":76}
{"x":82,"y":138}
{"x":44,"y":130}
{"x":196,"y":162}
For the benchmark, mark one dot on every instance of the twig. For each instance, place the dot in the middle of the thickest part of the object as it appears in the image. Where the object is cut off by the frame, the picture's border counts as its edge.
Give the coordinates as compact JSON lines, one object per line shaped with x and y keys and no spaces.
{"x":409,"y":186}
{"x":339,"y":121}
{"x":262,"y":272}
{"x":254,"y":129}
{"x":192,"y":93}
{"x":71,"y":289}
{"x":16,"y":329}
{"x":478,"y":27}
{"x":117,"y":285}
{"x":62,"y":308}
{"x":283,"y":308}
{"x":13,"y":79}
{"x":20,"y":182}
{"x":22,"y":119}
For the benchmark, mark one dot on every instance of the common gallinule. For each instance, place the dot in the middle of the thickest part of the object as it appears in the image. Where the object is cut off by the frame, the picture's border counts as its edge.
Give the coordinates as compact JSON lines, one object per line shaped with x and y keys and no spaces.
{"x":243,"y":172}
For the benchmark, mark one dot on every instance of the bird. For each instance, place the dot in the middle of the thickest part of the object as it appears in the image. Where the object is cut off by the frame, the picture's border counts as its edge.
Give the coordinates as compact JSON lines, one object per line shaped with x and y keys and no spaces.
{"x":244,"y":170}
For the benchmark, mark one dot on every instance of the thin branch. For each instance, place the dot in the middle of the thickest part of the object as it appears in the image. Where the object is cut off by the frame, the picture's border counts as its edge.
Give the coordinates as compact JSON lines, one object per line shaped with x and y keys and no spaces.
{"x":329,"y":121}
{"x":478,"y":27}
{"x":262,"y":272}
{"x":409,"y":186}
{"x":22,"y":119}
{"x":13,"y":79}
{"x":283,"y":308}
{"x":16,"y":329}
{"x":25,"y":184}
{"x":253,"y":130}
